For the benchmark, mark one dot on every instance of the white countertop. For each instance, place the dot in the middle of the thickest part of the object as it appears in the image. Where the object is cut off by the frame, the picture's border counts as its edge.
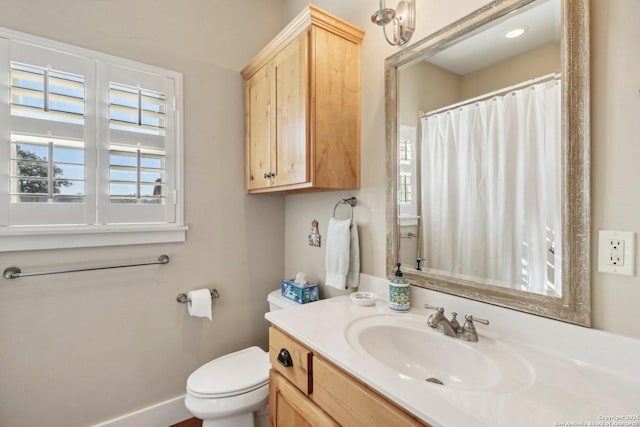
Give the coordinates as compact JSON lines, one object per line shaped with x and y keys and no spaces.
{"x":580,"y":376}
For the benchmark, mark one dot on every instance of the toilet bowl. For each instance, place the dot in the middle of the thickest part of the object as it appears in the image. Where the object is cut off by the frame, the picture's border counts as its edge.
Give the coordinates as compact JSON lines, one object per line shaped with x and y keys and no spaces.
{"x":233,"y":390}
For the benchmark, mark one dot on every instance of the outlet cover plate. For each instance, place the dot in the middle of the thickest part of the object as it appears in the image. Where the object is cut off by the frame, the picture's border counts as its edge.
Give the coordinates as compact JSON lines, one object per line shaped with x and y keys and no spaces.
{"x":624,"y":253}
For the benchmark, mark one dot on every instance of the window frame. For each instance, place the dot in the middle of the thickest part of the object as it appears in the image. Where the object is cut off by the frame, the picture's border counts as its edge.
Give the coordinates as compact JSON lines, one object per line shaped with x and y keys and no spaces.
{"x":408,"y":210}
{"x":56,"y":236}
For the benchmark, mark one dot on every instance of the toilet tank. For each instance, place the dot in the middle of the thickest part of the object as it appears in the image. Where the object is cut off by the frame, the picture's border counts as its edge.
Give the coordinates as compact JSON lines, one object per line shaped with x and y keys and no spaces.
{"x":278,"y":302}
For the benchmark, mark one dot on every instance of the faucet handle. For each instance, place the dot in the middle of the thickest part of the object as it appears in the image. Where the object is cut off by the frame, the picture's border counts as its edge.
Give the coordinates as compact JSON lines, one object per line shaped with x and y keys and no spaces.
{"x":470,"y":318}
{"x":468,"y":331}
{"x":433,"y":307}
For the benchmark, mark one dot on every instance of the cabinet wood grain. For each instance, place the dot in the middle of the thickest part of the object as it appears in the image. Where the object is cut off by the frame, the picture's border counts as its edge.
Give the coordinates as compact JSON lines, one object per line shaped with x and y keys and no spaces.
{"x":288,"y":407}
{"x":352,"y":403}
{"x":300,"y":372}
{"x":303,"y":107}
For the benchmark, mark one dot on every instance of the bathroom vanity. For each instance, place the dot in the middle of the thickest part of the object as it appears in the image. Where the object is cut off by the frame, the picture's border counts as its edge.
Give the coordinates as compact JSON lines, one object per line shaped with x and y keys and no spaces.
{"x":355,"y":365}
{"x":307,"y":389}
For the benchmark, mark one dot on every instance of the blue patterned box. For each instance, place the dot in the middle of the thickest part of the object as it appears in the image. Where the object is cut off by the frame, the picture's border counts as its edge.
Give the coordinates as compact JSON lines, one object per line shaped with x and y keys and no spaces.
{"x":300,"y":294}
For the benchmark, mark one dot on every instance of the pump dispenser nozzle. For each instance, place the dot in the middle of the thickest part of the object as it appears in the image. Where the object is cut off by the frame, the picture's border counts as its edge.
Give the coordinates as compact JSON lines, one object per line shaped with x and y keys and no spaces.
{"x":398,"y":271}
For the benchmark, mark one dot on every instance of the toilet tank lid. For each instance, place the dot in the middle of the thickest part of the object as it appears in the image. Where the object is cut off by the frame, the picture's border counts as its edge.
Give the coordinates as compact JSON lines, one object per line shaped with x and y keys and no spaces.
{"x":276,"y":297}
{"x":231,"y":374}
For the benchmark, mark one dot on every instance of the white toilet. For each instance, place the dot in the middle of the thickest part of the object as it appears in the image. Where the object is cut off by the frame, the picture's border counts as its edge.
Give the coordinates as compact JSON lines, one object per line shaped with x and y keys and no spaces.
{"x":233,"y":390}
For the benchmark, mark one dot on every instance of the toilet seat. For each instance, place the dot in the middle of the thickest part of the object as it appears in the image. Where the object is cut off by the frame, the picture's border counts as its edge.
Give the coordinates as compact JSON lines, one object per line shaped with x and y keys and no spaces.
{"x":230,"y":375}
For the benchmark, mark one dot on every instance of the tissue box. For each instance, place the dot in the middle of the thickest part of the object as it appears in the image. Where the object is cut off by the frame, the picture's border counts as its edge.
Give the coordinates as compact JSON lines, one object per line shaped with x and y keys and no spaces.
{"x":299,"y":294}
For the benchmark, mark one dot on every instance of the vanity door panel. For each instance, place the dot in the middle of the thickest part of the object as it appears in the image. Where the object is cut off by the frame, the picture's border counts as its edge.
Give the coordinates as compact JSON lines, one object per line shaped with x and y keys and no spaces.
{"x":352,"y":403}
{"x":288,"y":407}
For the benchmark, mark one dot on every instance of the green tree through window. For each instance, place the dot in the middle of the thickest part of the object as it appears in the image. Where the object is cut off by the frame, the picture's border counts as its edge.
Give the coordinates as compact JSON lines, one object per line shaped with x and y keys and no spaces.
{"x":32,"y":165}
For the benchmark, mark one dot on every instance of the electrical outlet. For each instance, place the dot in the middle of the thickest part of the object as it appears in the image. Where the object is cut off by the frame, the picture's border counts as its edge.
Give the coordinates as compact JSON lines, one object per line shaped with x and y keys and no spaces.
{"x":616,"y":252}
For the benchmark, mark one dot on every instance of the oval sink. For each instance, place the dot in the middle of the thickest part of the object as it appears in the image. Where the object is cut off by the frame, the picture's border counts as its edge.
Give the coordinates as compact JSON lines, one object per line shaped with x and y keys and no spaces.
{"x":404,"y":343}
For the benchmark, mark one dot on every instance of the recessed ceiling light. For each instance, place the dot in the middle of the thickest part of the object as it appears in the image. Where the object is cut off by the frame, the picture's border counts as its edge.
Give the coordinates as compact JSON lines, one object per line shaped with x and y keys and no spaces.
{"x":516,"y":32}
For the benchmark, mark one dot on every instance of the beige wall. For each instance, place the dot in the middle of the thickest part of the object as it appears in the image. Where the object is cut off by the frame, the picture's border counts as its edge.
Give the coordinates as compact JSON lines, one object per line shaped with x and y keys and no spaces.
{"x":425,"y":87}
{"x":540,"y":61}
{"x":79,"y":348}
{"x":615,"y":152}
{"x":615,"y":109}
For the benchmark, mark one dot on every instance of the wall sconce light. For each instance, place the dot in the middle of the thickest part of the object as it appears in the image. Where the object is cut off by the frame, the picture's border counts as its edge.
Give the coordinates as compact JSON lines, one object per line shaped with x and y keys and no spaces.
{"x":403,"y":19}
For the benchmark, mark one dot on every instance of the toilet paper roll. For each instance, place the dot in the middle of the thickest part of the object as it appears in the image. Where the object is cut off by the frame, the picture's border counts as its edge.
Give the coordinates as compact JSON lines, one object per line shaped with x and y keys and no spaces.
{"x":200,"y":303}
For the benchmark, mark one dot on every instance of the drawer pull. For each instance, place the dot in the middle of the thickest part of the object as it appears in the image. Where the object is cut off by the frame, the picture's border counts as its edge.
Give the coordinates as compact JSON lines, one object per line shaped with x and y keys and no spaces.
{"x":284,"y":358}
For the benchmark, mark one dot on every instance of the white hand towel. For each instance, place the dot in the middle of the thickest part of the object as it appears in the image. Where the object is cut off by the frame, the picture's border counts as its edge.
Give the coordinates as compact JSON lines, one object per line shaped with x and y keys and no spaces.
{"x":200,"y":303}
{"x":353,"y":277}
{"x":338,"y":253}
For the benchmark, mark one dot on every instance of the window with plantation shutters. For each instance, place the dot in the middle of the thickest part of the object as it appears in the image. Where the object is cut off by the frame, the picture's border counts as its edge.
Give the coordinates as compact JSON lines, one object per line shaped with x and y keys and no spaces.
{"x":406,"y":189}
{"x":408,"y":175}
{"x":47,"y":136}
{"x":136,"y":174}
{"x":90,"y":145}
{"x":139,"y":108}
{"x":46,"y":166}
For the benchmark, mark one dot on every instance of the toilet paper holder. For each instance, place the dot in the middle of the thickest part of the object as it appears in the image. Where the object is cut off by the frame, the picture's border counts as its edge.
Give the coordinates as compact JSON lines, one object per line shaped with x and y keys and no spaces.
{"x":183,"y":298}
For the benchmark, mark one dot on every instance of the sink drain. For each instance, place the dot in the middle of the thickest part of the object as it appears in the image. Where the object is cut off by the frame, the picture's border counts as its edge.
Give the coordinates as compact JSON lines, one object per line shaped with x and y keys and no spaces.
{"x":435,"y":381}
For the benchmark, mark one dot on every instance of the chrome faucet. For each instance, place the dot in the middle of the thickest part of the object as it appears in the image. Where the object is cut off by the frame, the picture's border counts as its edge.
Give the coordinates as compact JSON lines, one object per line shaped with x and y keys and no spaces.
{"x":439,"y":322}
{"x":452,"y":328}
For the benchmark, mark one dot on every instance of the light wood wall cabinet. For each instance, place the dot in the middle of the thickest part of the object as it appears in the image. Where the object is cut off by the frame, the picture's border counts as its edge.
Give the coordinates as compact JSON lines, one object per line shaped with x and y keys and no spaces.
{"x":311,"y":391}
{"x":302,"y":101}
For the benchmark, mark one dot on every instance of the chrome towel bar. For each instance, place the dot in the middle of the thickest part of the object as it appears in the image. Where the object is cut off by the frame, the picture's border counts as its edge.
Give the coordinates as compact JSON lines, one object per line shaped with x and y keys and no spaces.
{"x":15,"y":272}
{"x":183,"y":298}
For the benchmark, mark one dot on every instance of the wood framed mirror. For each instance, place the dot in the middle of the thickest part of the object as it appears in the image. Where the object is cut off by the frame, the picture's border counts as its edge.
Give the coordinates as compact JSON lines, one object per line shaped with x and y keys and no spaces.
{"x":488,"y":159}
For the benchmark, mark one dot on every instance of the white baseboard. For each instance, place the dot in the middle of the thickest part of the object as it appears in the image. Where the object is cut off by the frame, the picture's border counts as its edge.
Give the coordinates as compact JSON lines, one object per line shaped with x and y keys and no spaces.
{"x":161,"y":414}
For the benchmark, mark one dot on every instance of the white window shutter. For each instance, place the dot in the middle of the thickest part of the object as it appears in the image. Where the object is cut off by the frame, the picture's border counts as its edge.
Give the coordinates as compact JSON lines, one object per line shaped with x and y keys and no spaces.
{"x":47,"y":135}
{"x":137,"y":122}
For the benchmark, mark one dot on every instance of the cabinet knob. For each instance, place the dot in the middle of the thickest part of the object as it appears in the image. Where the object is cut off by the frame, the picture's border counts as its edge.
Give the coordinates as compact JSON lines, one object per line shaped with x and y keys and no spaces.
{"x":284,"y":358}
{"x":269,"y":175}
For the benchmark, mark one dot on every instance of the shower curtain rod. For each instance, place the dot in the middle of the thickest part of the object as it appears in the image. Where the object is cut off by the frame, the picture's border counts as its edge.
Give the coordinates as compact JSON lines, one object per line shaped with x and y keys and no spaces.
{"x":492,"y":94}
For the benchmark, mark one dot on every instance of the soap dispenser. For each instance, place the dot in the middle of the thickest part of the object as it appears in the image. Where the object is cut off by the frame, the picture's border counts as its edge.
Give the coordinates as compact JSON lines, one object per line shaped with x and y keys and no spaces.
{"x":399,"y":299}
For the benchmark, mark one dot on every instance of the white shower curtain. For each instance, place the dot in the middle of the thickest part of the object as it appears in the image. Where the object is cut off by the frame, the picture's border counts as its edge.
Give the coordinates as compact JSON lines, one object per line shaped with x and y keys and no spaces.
{"x":491,"y":190}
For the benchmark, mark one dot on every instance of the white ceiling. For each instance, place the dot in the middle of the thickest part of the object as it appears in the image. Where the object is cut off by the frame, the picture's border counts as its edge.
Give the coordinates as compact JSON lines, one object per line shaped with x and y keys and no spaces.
{"x":490,"y":46}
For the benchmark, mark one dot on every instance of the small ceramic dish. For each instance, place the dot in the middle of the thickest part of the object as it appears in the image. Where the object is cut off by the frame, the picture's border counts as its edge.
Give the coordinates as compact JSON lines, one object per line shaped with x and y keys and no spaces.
{"x":363,"y":298}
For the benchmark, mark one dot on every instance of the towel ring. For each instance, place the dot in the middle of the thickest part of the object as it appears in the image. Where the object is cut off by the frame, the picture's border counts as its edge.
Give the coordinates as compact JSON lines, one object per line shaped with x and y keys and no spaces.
{"x":351,"y":201}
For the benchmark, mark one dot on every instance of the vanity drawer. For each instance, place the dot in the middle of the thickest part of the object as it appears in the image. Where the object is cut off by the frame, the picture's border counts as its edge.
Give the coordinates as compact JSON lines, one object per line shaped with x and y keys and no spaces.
{"x":291,"y":359}
{"x":352,"y":403}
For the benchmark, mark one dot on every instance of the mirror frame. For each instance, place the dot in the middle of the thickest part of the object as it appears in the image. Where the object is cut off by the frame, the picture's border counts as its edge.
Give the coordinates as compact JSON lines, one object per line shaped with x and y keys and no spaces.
{"x":574,"y":306}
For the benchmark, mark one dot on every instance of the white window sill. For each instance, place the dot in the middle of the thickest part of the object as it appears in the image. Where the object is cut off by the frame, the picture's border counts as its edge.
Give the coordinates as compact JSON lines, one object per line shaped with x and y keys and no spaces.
{"x":408,"y":220}
{"x":22,"y":238}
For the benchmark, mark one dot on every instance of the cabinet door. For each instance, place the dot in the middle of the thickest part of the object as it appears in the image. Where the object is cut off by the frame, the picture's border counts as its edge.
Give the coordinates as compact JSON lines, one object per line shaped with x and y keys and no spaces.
{"x":259,"y":129}
{"x":335,"y":122}
{"x":288,"y":407}
{"x":289,"y":156}
{"x":353,"y":404}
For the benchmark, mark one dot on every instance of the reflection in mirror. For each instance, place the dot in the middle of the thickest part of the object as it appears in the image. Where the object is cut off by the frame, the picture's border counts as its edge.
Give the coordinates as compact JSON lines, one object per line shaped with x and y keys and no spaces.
{"x":481,"y":144}
{"x":490,"y":130}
